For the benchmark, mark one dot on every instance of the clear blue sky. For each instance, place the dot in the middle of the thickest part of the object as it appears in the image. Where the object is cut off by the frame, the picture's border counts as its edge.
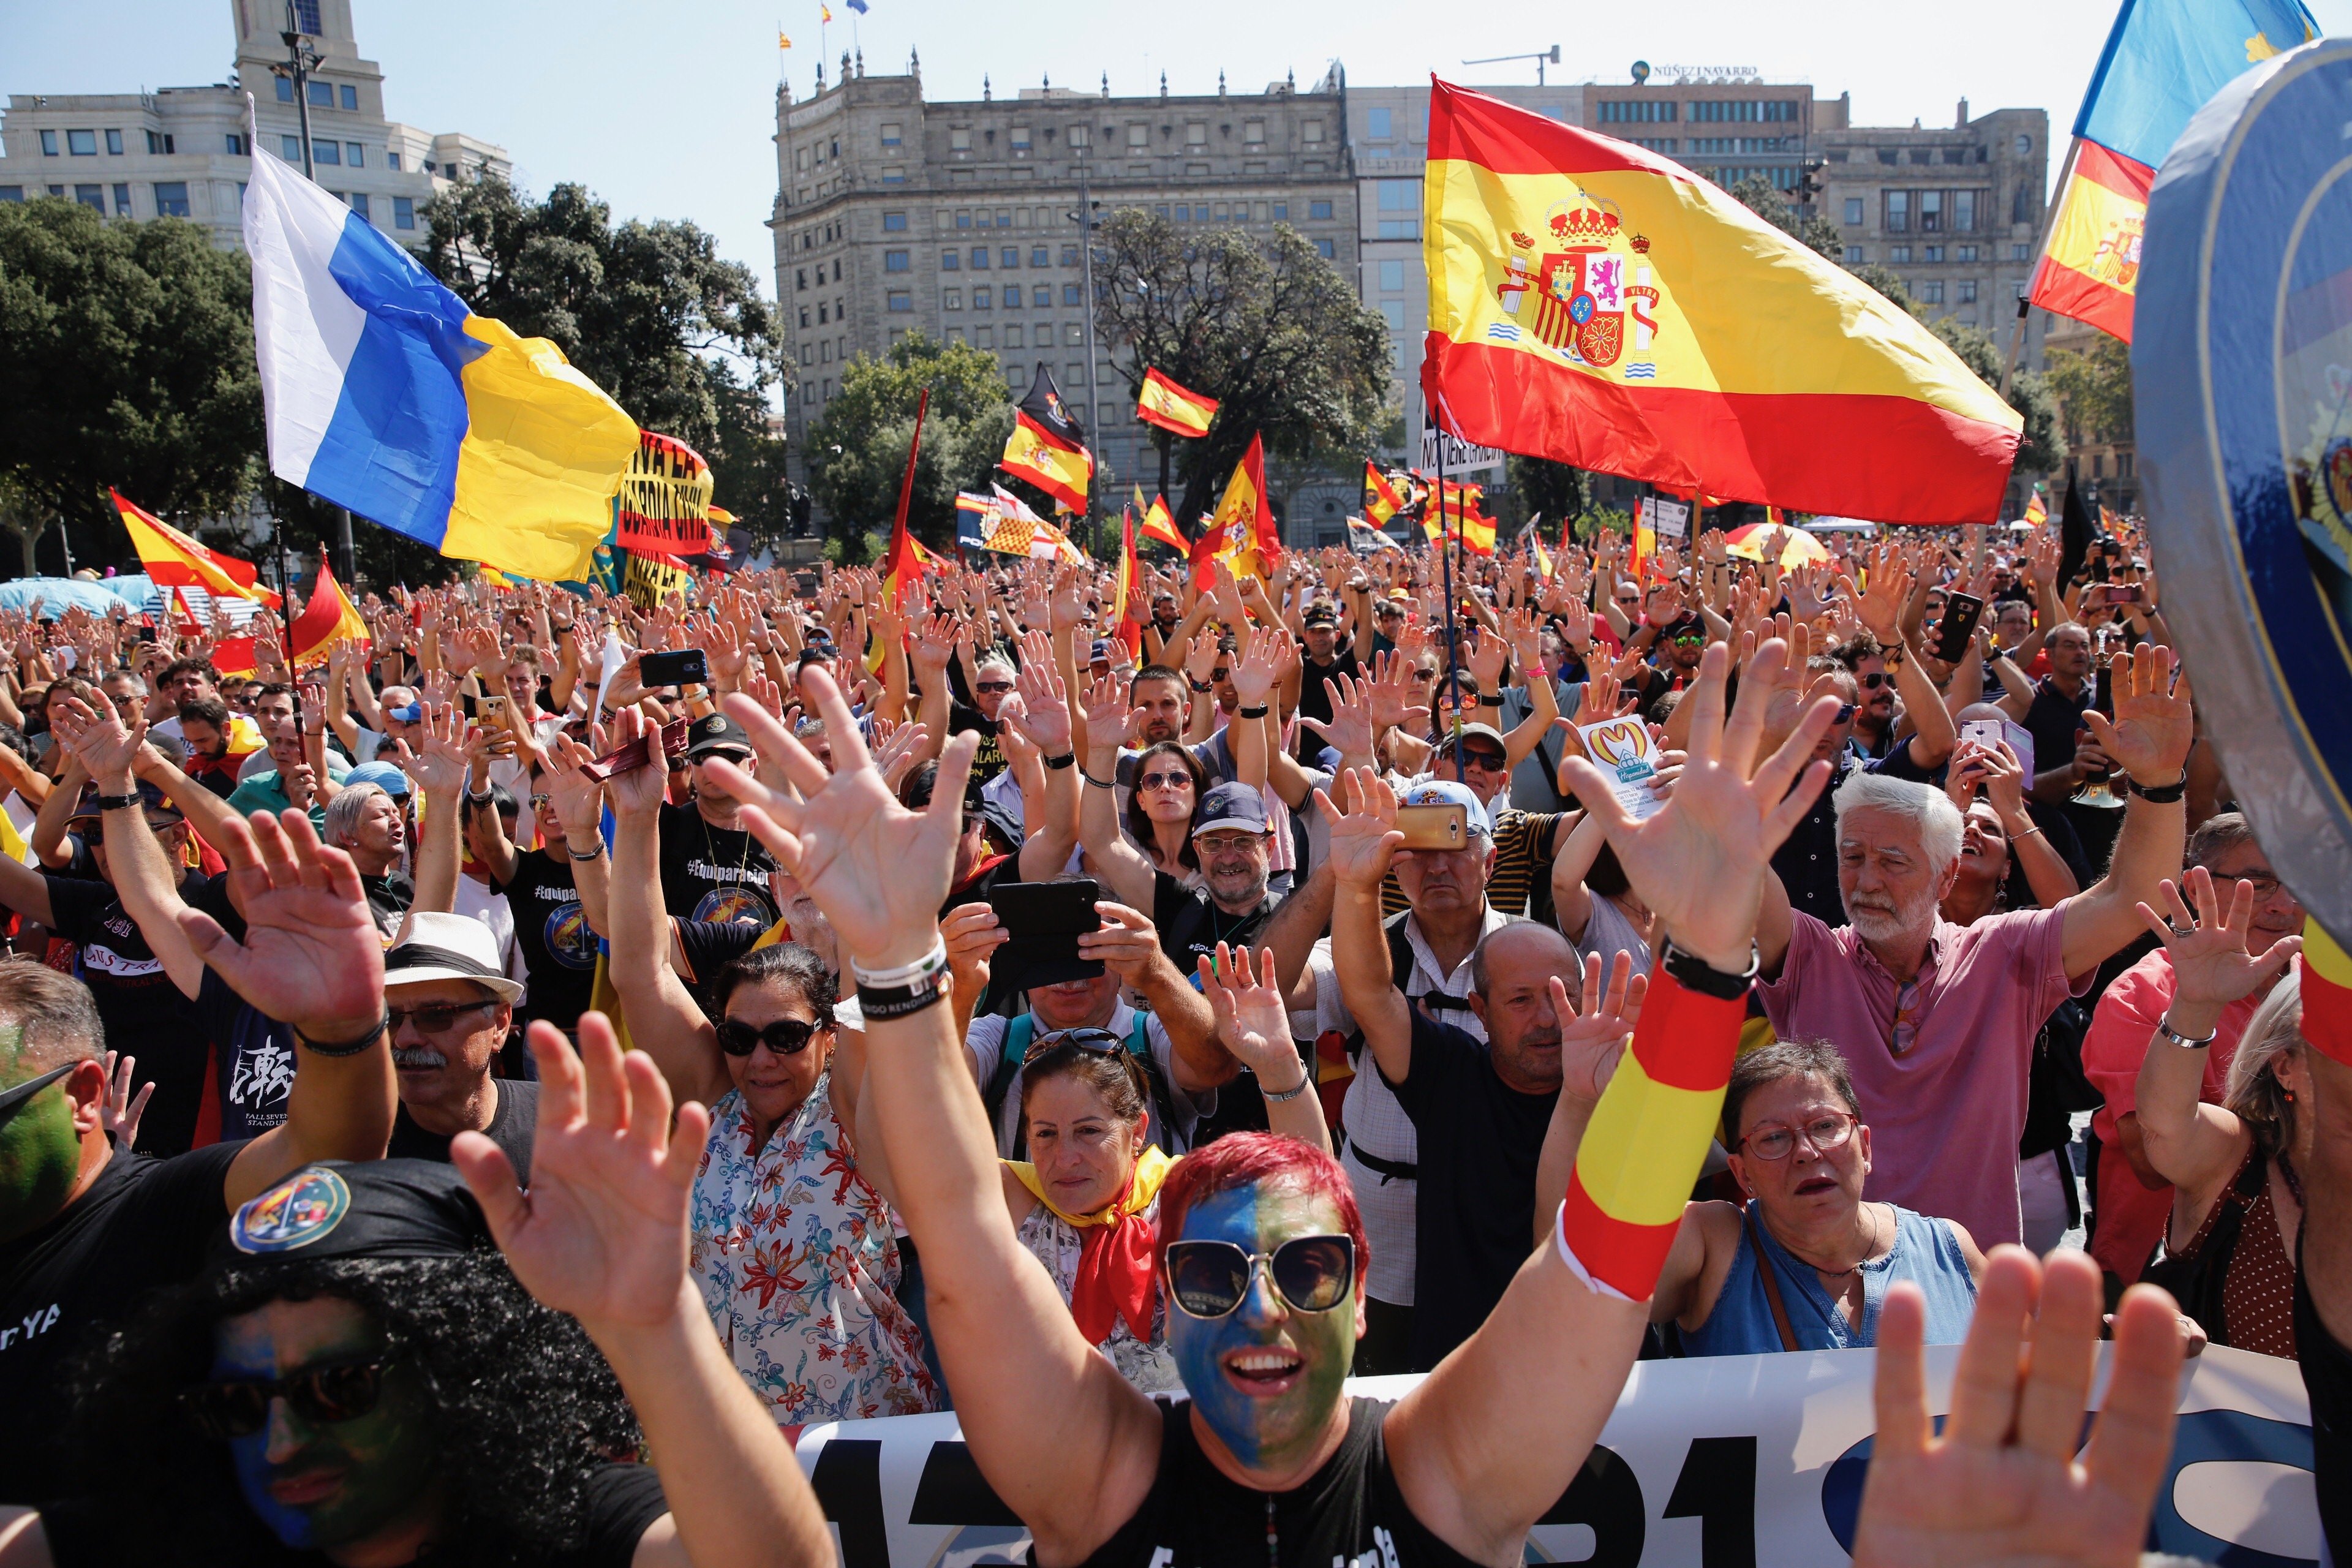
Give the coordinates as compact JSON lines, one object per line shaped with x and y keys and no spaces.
{"x":666,"y":109}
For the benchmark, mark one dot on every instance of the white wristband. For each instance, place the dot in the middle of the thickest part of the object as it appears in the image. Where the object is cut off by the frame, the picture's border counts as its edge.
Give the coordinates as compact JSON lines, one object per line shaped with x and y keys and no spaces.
{"x":1568,"y":1255}
{"x":913,"y":974}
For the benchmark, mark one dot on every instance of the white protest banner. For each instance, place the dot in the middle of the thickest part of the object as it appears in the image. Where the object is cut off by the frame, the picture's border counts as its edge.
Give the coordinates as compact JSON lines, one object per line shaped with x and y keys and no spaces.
{"x":1667,"y":518}
{"x":1720,"y":1460}
{"x":1622,"y":747}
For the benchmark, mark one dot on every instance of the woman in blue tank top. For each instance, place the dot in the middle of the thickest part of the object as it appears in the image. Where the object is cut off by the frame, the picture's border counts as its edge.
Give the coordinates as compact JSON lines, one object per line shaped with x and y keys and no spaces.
{"x":1805,"y":1263}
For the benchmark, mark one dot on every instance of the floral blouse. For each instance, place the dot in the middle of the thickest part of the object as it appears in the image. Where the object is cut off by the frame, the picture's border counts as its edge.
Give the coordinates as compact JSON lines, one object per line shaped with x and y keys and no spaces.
{"x":794,"y":1257}
{"x":1056,"y":1243}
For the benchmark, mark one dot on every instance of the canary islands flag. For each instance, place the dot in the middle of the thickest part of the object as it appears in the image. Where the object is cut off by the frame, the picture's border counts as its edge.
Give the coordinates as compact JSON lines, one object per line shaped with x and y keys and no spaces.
{"x":1600,"y":305}
{"x":2163,"y":59}
{"x":383,"y":392}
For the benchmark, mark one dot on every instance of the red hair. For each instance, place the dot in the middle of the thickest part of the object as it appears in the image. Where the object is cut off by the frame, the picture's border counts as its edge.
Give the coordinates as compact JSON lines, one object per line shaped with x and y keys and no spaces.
{"x":1246,"y":1159}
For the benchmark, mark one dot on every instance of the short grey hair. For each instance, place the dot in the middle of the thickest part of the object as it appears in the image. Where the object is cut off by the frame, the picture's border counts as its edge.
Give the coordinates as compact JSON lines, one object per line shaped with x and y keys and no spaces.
{"x":993,"y":660}
{"x":1941,"y":826}
{"x":2253,"y":1091}
{"x":55,"y":1014}
{"x":343,"y":811}
{"x":2216,"y":837}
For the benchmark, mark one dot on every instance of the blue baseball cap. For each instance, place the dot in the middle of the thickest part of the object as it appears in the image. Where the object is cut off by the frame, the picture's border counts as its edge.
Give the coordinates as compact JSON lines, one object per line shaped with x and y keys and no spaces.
{"x":384,"y":775}
{"x":408,"y":715}
{"x":1450,"y":792}
{"x":1229,"y":805}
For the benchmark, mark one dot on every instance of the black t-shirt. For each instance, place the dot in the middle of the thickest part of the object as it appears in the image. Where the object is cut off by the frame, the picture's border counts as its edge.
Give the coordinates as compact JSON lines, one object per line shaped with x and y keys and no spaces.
{"x":2052,"y":718}
{"x":622,"y":1502}
{"x":143,"y":1224}
{"x":713,"y":873}
{"x":1475,"y":1210}
{"x":1314,"y":700}
{"x":559,"y":947}
{"x":512,"y":1126}
{"x":2327,"y":1383}
{"x":389,"y":898}
{"x":989,"y":761}
{"x":1190,"y":924}
{"x":253,"y":1058}
{"x":143,"y":1013}
{"x":1349,"y":1511}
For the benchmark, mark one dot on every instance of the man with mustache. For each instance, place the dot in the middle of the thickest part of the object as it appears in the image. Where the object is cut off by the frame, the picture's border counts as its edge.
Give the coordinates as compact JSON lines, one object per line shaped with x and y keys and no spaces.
{"x":1937,"y":1021}
{"x":449,"y":1004}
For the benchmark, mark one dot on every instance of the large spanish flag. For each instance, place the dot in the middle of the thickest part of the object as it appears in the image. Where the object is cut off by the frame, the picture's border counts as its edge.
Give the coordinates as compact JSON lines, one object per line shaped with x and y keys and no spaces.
{"x":1244,"y":504}
{"x":175,"y":561}
{"x":1061,"y":471}
{"x":1600,"y":305}
{"x":1172,"y":408}
{"x":2163,"y":59}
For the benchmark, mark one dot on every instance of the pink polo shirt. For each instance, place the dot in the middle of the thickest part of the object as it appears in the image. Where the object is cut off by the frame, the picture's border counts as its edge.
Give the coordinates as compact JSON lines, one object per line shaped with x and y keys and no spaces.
{"x":1944,"y":1117}
{"x":2132,"y":1216}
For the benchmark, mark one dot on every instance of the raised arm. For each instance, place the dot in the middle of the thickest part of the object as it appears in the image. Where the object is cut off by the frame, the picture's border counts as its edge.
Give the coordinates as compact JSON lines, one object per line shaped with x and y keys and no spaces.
{"x":1128,"y":944}
{"x":1255,"y":667}
{"x":1120,"y":865}
{"x":438,"y":770}
{"x":1253,"y":1023}
{"x":1492,"y":1438}
{"x":2150,"y":739}
{"x":1049,"y":828}
{"x":879,"y":873}
{"x":1364,"y":842}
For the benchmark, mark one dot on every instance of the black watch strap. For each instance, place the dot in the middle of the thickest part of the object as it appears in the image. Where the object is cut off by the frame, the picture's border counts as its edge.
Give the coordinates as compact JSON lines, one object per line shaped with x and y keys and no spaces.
{"x":1067,"y":760}
{"x":2162,"y":794}
{"x":1695,"y":974}
{"x":117,"y":802}
{"x":345,"y":1047}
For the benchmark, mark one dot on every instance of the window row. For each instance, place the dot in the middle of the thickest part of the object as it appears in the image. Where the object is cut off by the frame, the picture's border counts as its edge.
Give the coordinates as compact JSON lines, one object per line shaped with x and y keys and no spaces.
{"x":1073,"y":335}
{"x":1040,"y":297}
{"x":322,"y":95}
{"x":85,"y":143}
{"x":1935,"y":212}
{"x":1707,"y":112}
{"x":342,"y":154}
{"x":1137,"y":135}
{"x":171,"y":198}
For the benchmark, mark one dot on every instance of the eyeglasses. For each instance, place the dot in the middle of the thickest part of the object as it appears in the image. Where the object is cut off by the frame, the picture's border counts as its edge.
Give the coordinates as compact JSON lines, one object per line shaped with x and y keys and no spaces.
{"x":784,"y":1037}
{"x":1689,"y":639}
{"x":1309,"y":1273}
{"x":540,"y":800}
{"x":994,"y":687}
{"x":1164,"y":781}
{"x":230,"y":1410}
{"x":19,"y":1094}
{"x":434,"y":1017}
{"x":1085,"y":1038}
{"x":1219,"y":674}
{"x":1831,"y":1129}
{"x":1227,"y":843}
{"x":1845,"y":712}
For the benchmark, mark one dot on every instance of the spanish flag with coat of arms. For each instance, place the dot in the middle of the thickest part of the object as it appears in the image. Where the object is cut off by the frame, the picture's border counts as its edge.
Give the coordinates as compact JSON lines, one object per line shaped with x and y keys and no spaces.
{"x":1598,"y":305}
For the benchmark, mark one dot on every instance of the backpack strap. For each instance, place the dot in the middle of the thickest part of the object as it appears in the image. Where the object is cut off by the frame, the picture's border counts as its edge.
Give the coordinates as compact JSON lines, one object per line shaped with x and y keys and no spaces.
{"x":1018,"y":1033}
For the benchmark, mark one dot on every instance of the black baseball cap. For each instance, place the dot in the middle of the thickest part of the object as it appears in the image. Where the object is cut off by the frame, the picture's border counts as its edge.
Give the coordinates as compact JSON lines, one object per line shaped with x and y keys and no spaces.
{"x":1321,"y":614}
{"x":717,"y":734}
{"x":338,"y":1209}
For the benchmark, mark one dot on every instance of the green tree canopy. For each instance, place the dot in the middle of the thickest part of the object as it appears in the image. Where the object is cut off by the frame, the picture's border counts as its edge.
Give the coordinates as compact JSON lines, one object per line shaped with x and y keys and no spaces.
{"x":2093,"y":387}
{"x":1761,"y":197}
{"x":1269,"y":327}
{"x":649,"y":311}
{"x":857,"y":448}
{"x":126,"y":359}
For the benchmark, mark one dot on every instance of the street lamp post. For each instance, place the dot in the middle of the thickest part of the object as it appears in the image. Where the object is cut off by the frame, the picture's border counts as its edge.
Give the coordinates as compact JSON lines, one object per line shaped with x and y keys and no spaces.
{"x":302,"y":59}
{"x":1093,"y":411}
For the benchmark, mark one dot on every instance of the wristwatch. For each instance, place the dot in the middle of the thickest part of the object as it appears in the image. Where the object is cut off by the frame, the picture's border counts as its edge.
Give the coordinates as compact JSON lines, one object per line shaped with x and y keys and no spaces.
{"x":1695,"y":974}
{"x":2161,"y":794}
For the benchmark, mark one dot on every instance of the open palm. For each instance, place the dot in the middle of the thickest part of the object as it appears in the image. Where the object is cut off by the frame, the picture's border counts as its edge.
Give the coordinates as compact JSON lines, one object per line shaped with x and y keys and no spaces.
{"x":1699,"y":861}
{"x":311,"y":955}
{"x":602,"y":1232}
{"x":1364,"y":837}
{"x":2154,"y":723}
{"x":1593,"y":1040}
{"x":876,"y":870}
{"x":2204,"y":934}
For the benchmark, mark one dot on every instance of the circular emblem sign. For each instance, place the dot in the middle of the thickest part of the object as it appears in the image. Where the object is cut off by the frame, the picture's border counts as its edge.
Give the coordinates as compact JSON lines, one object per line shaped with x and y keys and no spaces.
{"x":2242,"y":362}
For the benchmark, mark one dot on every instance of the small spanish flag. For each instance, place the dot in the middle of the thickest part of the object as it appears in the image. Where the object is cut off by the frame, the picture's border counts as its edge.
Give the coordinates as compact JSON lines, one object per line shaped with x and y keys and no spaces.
{"x":1162,"y":403}
{"x":2327,"y":994}
{"x":782,"y":42}
{"x":1056,"y":470}
{"x":328,"y":620}
{"x":2037,"y":508}
{"x":1382,"y":501}
{"x":175,"y":561}
{"x":1244,"y":502}
{"x":1159,"y":526}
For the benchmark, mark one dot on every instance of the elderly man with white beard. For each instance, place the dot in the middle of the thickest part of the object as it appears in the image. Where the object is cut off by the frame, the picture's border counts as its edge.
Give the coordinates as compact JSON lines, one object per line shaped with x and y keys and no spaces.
{"x":1938,"y":1020}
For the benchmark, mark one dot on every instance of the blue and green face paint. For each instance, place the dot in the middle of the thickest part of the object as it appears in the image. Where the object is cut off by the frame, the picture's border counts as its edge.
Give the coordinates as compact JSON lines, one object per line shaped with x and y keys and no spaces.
{"x":1263,"y":1379}
{"x":318,"y":1485}
{"x":41,"y":1153}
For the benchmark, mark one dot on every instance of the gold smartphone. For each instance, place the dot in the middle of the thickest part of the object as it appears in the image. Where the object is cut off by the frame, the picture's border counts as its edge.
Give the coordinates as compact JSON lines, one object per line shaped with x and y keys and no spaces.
{"x":1434,"y":826}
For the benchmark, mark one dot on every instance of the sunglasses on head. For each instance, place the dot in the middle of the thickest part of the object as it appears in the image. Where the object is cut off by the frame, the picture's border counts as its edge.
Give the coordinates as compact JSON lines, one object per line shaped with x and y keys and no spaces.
{"x":784,"y":1037}
{"x":230,"y":1410}
{"x":1309,"y":1273}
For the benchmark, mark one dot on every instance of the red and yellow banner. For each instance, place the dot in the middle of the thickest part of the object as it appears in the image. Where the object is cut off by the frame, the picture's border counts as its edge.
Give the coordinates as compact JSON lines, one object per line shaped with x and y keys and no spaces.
{"x":175,"y":561}
{"x":1158,"y":525}
{"x":1162,"y":403}
{"x":1061,"y":471}
{"x":1127,"y":597}
{"x":2327,"y":994}
{"x":328,"y":618}
{"x":1382,"y":501}
{"x":2090,"y":268}
{"x":1243,"y":504}
{"x":1600,"y":305}
{"x":664,"y":505}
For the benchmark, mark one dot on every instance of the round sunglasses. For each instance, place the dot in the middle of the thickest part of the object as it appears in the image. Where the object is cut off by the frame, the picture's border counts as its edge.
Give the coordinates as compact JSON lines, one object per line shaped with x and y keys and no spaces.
{"x":228,"y":1410}
{"x":784,"y":1037}
{"x":1309,"y":1273}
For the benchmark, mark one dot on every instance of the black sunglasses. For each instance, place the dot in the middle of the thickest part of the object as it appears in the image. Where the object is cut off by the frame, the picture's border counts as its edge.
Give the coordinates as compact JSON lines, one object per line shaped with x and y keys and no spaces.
{"x":1310,"y":1273}
{"x":227,"y":1411}
{"x":434,"y":1017}
{"x":784,"y":1037}
{"x":17,"y":1094}
{"x":1845,"y":712}
{"x":1872,"y":682}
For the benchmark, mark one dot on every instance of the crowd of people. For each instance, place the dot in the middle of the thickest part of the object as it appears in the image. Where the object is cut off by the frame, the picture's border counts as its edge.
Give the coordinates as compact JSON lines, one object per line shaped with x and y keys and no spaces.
{"x":462,"y":1102}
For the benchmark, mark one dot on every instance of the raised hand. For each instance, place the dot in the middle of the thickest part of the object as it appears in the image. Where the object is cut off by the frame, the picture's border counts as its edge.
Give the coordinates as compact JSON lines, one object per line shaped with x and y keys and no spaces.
{"x":311,"y":955}
{"x":1592,"y":1041}
{"x":1485,"y":657}
{"x":1253,"y":1022}
{"x":2001,"y":1488}
{"x":900,"y":751}
{"x":1042,"y":714}
{"x":2154,"y":723}
{"x":1880,"y":609}
{"x":1350,"y":730}
{"x":439,"y":764}
{"x":1110,"y":722}
{"x":120,"y":1112}
{"x":602,"y":1232}
{"x":1127,"y":942}
{"x":1200,"y":657}
{"x":1364,"y":838}
{"x":642,"y":789}
{"x":1258,"y":665}
{"x":2205,"y":934}
{"x":1699,"y":861}
{"x":877,"y":870}
{"x":971,"y":932}
{"x":98,"y":740}
{"x":578,"y":797}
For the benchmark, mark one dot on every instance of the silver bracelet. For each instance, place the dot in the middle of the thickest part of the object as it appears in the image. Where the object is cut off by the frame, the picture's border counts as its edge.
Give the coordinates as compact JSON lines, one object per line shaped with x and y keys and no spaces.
{"x":1305,"y":1080}
{"x":2190,"y":1042}
{"x":922,"y":969}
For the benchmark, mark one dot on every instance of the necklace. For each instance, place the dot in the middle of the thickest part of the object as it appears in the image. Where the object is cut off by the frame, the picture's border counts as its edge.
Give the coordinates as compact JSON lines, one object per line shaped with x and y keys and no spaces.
{"x":1273,"y":1536}
{"x":711,"y":848}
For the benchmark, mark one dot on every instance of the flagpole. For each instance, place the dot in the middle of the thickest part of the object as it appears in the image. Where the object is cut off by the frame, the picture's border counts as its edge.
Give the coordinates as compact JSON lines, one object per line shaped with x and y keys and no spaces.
{"x":2041,"y":246}
{"x":1453,"y":647}
{"x":286,"y":610}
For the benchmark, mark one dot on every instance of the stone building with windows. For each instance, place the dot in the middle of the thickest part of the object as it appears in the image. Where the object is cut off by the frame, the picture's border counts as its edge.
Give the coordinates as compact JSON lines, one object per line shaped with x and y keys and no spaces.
{"x":958,"y":219}
{"x":183,"y":152}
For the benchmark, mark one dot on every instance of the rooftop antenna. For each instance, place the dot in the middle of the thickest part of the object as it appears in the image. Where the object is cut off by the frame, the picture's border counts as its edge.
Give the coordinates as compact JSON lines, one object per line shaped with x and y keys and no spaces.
{"x":1547,"y":57}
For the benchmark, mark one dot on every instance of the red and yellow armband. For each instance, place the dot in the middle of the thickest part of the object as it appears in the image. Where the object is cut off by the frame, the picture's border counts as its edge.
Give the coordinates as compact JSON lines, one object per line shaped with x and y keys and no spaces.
{"x":2327,"y":994}
{"x":1648,"y":1138}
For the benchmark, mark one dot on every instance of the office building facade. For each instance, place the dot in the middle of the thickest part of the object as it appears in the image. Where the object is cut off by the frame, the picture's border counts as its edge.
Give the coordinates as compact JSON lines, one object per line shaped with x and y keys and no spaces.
{"x":185,"y":151}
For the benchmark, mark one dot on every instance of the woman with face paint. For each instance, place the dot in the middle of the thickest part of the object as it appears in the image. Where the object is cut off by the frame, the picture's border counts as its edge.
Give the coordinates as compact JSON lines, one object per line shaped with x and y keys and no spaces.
{"x":357,"y":1378}
{"x":1262,"y":1251}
